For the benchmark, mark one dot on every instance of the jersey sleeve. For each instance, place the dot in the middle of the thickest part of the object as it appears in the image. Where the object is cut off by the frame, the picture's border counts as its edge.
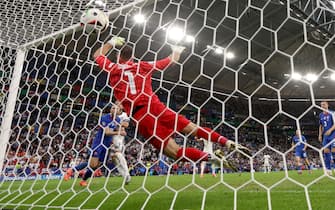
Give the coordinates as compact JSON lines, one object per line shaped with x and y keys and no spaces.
{"x":103,"y":121}
{"x":104,"y":63}
{"x":160,"y":64}
{"x":125,"y":117}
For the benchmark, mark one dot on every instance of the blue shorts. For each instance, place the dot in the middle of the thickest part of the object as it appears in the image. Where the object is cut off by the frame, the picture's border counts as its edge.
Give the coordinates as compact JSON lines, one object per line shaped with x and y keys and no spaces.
{"x":301,"y":154}
{"x":326,"y":141}
{"x":99,"y":152}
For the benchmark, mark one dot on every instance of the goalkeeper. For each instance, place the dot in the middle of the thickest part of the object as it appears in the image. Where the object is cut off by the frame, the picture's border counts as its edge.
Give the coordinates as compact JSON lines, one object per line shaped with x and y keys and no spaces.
{"x":131,"y":84}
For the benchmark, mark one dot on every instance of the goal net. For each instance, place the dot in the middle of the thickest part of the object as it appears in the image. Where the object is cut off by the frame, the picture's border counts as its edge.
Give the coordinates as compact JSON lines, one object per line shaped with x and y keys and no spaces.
{"x":254,"y":71}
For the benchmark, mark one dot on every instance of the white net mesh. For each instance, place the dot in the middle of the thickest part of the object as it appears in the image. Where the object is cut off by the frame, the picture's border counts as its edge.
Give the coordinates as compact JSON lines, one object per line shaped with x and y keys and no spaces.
{"x":253,"y":70}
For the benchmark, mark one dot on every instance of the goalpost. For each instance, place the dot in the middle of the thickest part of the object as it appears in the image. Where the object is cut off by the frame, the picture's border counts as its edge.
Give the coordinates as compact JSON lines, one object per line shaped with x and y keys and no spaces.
{"x":252,"y":70}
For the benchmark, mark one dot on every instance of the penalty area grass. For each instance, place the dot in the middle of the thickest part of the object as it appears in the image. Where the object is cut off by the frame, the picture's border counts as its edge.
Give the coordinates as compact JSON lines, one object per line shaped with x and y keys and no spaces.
{"x":175,"y":192}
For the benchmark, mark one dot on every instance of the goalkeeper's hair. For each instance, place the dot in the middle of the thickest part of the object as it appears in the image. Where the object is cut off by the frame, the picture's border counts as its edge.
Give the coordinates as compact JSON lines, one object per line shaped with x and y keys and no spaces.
{"x":126,"y":52}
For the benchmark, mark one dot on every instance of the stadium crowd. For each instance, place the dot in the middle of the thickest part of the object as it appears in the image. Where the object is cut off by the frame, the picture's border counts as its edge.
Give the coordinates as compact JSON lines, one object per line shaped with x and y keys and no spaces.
{"x":49,"y":148}
{"x":53,"y":127}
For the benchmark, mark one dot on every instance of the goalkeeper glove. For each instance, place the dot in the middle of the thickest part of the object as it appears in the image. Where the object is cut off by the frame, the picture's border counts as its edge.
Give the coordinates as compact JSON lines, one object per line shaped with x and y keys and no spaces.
{"x":117,"y":41}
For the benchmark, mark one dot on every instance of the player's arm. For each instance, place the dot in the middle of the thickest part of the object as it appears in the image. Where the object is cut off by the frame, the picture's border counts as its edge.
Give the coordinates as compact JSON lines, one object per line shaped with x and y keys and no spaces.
{"x":330,"y":130}
{"x":305,"y":145}
{"x":172,"y":58}
{"x":320,"y":132}
{"x":112,"y":132}
{"x":176,"y":52}
{"x":105,"y":48}
{"x":125,"y":123}
{"x":292,"y":144}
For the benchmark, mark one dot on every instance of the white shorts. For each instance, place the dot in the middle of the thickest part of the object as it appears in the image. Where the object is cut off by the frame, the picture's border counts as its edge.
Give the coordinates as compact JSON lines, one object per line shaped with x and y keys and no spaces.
{"x":118,"y":143}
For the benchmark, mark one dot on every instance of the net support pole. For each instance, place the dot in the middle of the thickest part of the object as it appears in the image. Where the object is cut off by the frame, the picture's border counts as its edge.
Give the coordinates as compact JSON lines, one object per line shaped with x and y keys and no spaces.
{"x":10,"y":105}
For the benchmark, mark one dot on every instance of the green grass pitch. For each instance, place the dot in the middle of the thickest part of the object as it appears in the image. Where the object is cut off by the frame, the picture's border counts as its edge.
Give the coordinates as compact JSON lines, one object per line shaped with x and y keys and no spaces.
{"x":175,"y":192}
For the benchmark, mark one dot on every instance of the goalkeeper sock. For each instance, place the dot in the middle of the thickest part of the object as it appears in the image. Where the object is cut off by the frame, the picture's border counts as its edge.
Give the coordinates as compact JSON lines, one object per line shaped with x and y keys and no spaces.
{"x":193,"y":154}
{"x":327,"y":157}
{"x":210,"y":135}
{"x":81,"y":166}
{"x":88,"y":174}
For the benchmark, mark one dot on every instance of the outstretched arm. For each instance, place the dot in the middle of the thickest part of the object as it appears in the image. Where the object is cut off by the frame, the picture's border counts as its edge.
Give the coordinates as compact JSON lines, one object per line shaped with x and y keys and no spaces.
{"x":104,"y":49}
{"x":176,"y":52}
{"x":172,"y":58}
{"x":320,"y":133}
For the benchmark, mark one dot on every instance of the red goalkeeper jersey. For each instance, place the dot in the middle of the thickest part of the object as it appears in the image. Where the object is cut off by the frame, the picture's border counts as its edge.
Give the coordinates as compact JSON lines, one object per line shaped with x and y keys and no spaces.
{"x":131,"y":81}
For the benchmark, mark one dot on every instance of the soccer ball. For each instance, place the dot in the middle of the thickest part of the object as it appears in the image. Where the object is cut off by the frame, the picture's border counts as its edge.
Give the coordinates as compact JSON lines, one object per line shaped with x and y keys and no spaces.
{"x":94,"y":20}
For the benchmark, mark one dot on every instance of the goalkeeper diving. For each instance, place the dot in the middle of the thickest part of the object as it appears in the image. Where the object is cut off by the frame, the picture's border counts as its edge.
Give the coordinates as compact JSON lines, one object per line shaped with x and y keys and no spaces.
{"x":132,"y":86}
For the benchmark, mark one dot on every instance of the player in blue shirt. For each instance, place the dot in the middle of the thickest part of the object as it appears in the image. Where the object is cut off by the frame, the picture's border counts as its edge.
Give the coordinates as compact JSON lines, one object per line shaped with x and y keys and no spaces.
{"x":298,"y":141}
{"x":100,"y":145}
{"x":327,"y":134}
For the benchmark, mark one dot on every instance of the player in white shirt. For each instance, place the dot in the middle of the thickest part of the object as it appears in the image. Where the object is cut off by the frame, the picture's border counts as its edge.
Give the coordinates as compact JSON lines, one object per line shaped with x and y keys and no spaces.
{"x":267,"y":165}
{"x":208,"y":147}
{"x":118,"y":146}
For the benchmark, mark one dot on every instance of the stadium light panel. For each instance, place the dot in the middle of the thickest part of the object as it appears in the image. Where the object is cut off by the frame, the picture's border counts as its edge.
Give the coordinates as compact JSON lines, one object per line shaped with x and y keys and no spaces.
{"x":333,"y":4}
{"x":175,"y":33}
{"x":218,"y":50}
{"x":139,"y":18}
{"x":189,"y":38}
{"x":230,"y":55}
{"x":311,"y":77}
{"x":332,"y":77}
{"x":296,"y":76}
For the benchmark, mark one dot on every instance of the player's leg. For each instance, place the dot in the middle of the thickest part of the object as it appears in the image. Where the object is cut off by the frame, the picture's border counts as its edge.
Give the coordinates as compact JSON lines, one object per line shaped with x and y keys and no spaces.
{"x":210,"y":135}
{"x":327,"y":155}
{"x":118,"y":144}
{"x":202,"y":168}
{"x":174,"y":151}
{"x":308,"y":165}
{"x":168,"y":118}
{"x":98,"y":156}
{"x":70,"y":171}
{"x":93,"y":164}
{"x":298,"y":163}
{"x":268,"y":168}
{"x":306,"y":161}
{"x":333,"y":152}
{"x":122,"y":166}
{"x":213,"y":167}
{"x":160,"y":129}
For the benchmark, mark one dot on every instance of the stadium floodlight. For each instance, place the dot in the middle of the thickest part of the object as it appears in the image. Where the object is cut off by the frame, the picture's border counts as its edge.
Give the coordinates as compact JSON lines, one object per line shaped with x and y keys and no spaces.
{"x":230,"y":55}
{"x":332,"y":76}
{"x":296,"y":76}
{"x":189,"y":38}
{"x":311,"y":77}
{"x":175,"y":33}
{"x":218,"y":50}
{"x":332,"y":3}
{"x":139,"y":18}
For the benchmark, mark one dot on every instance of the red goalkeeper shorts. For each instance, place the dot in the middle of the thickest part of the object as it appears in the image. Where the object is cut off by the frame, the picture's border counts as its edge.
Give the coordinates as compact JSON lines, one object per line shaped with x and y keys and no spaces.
{"x":159,"y":123}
